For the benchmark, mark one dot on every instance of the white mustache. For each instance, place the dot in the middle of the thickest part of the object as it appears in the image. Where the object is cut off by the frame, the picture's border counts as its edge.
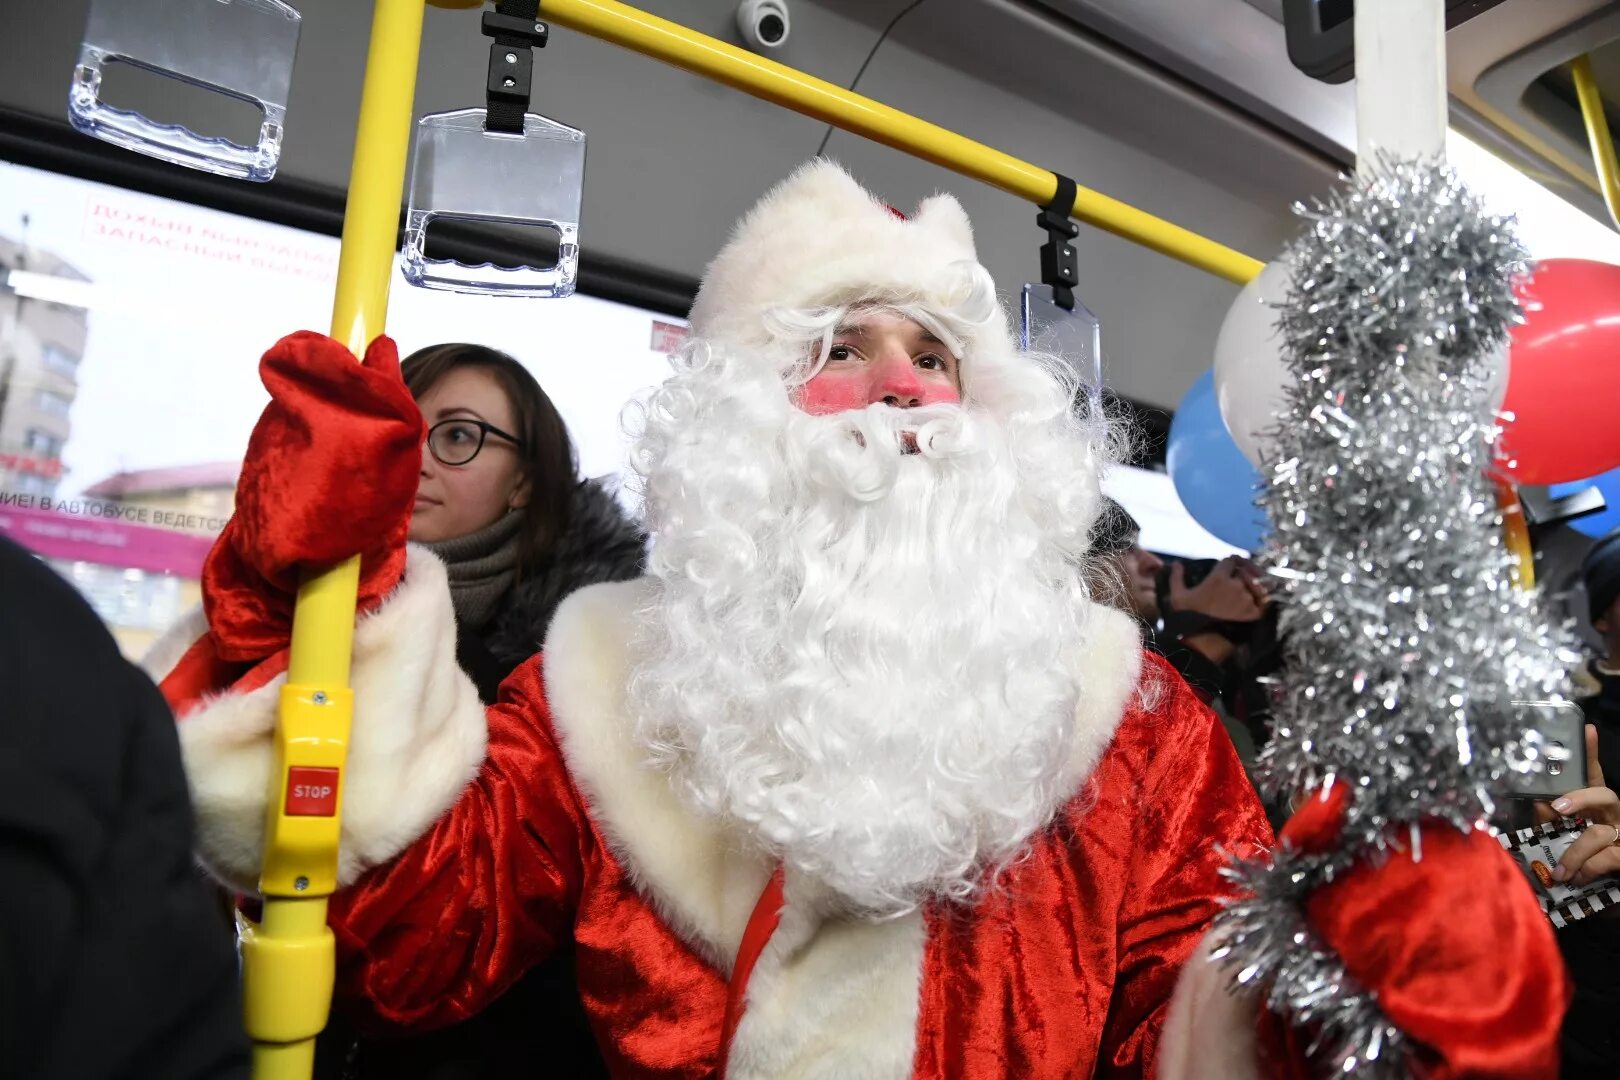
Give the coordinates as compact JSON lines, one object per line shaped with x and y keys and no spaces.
{"x":863,"y":451}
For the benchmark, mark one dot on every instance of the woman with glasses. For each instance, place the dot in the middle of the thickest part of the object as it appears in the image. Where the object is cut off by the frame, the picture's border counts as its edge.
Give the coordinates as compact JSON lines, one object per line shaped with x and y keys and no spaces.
{"x":500,"y":502}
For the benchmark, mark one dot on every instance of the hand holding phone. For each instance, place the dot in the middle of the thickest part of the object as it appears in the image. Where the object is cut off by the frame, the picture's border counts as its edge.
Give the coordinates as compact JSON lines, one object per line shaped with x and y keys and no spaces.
{"x":1596,"y":852}
{"x":1230,"y":590}
{"x":1559,"y":727}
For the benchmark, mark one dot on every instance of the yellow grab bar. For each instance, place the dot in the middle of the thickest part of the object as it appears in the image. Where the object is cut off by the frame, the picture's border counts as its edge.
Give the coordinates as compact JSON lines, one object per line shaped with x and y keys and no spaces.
{"x":288,"y":960}
{"x":1597,"y":133}
{"x":770,"y":81}
{"x":1516,"y":535}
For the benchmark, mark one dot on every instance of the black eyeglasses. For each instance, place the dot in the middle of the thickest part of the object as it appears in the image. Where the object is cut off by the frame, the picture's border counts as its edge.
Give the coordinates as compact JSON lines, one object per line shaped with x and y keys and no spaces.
{"x":457,"y":441}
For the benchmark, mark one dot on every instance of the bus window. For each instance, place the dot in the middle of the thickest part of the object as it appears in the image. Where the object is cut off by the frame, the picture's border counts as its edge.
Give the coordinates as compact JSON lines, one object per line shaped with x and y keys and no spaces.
{"x":130,"y":331}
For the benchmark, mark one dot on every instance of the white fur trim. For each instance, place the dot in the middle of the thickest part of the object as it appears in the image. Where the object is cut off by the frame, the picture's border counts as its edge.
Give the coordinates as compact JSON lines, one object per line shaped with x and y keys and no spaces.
{"x":417,"y":739}
{"x":818,"y":238}
{"x":1210,"y":1030}
{"x":1111,"y":666}
{"x":695,"y":875}
{"x":171,"y":645}
{"x":829,"y":997}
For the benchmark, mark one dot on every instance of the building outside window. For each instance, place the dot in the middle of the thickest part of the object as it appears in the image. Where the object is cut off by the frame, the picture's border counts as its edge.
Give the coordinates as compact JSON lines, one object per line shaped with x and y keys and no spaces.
{"x":51,"y":402}
{"x":59,"y":360}
{"x":29,"y":484}
{"x":42,"y":443}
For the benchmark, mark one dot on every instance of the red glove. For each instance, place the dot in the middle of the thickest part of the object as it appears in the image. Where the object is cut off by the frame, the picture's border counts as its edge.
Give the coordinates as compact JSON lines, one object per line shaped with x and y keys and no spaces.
{"x":1454,"y":945}
{"x":331,"y":472}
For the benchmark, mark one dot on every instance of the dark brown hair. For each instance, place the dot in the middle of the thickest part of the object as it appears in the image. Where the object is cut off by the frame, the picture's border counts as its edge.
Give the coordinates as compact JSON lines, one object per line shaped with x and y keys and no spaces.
{"x":547,"y":454}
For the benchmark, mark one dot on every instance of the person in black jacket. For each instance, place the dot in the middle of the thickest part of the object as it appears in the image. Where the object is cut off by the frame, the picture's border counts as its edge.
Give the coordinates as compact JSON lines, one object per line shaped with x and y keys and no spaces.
{"x":1197,"y":626}
{"x":1213,"y":621}
{"x":1591,"y":947}
{"x":113,"y":961}
{"x":501,"y":503}
{"x":1598,"y":681}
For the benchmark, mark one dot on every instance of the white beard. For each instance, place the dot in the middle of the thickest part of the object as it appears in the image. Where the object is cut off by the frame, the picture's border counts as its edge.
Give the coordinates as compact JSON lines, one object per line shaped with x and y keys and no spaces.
{"x":867,"y":658}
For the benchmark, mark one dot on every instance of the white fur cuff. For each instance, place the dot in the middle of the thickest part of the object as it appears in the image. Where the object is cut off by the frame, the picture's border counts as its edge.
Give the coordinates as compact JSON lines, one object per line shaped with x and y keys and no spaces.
{"x":417,"y":740}
{"x":1210,"y":1030}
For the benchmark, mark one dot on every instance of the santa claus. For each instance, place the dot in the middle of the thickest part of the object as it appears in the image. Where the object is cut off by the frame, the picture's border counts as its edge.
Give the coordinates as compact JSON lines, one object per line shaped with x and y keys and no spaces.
{"x":857,"y":782}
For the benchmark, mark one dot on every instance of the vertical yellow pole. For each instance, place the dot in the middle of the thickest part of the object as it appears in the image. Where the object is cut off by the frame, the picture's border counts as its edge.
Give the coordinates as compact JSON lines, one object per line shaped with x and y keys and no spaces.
{"x":288,"y":959}
{"x":377,"y":174}
{"x":1597,"y":133}
{"x":1516,"y":534}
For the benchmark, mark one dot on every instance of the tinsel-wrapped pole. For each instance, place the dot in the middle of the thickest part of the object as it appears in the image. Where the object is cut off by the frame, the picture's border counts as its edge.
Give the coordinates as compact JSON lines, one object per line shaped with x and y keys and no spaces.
{"x":1408,"y":644}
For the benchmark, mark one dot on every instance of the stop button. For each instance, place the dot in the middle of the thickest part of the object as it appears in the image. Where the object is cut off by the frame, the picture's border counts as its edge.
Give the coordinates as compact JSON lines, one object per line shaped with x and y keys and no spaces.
{"x":311,"y":792}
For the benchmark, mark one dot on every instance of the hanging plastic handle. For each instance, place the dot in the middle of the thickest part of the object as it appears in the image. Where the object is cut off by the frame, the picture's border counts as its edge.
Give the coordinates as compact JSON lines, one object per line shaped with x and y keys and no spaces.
{"x":463,"y":173}
{"x":243,"y":49}
{"x":1075,"y":336}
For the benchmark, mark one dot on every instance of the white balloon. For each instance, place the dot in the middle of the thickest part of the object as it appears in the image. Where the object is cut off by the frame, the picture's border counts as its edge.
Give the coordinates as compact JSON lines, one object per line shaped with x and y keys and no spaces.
{"x":1250,"y":374}
{"x":1499,"y":378}
{"x":1249,"y":371}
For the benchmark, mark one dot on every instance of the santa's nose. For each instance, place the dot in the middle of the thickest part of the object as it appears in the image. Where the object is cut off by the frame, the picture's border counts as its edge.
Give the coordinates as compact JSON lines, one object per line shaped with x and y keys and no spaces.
{"x":895,"y":383}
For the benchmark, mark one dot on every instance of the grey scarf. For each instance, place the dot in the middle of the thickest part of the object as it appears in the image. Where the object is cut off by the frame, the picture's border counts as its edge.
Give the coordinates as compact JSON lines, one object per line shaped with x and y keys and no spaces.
{"x":483,"y":566}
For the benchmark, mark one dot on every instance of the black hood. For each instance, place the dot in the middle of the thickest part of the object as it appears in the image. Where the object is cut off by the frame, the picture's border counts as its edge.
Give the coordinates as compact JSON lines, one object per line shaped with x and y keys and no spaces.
{"x":603,"y":543}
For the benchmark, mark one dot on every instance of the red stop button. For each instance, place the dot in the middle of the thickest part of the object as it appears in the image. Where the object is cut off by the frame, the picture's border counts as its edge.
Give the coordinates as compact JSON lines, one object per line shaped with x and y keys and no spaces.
{"x":311,"y":792}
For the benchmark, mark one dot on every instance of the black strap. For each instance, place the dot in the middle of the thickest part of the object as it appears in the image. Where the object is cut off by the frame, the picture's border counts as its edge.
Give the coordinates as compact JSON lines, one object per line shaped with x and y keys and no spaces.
{"x":1060,"y":262}
{"x":516,"y":27}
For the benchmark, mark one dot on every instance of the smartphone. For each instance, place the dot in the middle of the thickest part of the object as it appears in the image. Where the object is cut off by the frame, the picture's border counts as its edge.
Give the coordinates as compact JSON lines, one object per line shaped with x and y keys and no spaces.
{"x":1195,"y":573}
{"x":1562,"y":727}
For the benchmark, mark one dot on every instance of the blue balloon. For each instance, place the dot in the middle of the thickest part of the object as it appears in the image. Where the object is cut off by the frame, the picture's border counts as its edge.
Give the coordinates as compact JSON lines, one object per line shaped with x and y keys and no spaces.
{"x":1213,"y":479}
{"x":1604,"y":521}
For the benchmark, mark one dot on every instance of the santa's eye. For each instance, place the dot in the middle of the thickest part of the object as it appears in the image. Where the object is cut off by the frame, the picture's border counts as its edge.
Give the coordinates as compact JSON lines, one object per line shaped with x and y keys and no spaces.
{"x":841,"y":352}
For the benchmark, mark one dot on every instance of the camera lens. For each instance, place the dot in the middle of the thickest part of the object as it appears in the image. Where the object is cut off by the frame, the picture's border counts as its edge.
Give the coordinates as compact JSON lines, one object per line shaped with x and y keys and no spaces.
{"x":771,"y":29}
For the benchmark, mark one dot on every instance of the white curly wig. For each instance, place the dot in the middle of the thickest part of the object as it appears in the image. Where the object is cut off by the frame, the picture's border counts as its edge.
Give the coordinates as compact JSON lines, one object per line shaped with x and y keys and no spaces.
{"x":865,"y":657}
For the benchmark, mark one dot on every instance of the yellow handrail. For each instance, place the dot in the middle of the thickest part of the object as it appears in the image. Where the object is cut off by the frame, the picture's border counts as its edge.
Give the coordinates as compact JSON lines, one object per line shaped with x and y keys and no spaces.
{"x":770,"y":81}
{"x":1516,"y":535}
{"x":1597,"y":133}
{"x":288,"y":960}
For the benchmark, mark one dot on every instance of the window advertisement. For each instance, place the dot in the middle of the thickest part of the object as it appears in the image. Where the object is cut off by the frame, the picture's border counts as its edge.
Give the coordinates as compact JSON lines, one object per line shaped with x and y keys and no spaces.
{"x":130,"y":332}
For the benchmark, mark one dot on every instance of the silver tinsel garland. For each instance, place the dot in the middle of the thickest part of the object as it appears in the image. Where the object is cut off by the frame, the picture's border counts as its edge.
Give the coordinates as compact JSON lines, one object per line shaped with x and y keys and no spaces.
{"x":1408,"y":643}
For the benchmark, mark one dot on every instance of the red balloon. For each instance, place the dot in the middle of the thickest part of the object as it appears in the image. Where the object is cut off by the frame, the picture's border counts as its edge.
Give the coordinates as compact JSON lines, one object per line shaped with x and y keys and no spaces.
{"x":1563,"y":391}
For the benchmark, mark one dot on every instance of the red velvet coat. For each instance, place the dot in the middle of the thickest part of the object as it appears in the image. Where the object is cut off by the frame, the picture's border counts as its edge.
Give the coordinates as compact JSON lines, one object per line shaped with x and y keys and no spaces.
{"x":1066,"y":968}
{"x":472,"y":844}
